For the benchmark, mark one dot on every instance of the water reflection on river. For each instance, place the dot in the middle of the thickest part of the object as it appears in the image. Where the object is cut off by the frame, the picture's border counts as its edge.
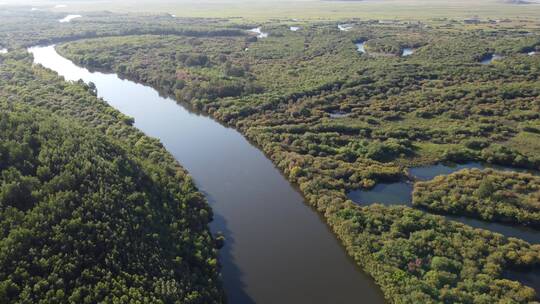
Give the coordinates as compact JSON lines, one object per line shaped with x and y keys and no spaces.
{"x":277,"y":249}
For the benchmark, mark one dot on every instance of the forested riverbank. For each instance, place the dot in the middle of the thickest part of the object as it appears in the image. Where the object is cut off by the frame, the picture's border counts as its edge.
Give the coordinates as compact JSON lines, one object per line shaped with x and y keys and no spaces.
{"x":439,"y":104}
{"x":92,"y":210}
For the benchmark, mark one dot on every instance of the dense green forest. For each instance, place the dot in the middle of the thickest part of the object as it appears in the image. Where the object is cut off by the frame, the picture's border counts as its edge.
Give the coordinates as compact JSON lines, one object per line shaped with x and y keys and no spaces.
{"x":335,"y":120}
{"x":92,"y":210}
{"x":490,"y":195}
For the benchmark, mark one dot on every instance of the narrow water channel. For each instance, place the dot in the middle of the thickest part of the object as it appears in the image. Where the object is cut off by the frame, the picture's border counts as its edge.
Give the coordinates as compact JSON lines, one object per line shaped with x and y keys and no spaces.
{"x":490,"y":58}
{"x":407,"y":52}
{"x":360,"y":47}
{"x":278,"y":250}
{"x":400,"y":193}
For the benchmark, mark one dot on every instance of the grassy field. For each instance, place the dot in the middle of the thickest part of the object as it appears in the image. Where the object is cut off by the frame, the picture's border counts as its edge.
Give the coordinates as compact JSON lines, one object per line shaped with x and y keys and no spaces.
{"x":258,"y":10}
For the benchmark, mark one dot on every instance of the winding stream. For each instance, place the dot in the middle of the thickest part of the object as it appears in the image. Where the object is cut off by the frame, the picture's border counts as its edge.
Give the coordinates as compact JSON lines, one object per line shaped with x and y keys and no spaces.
{"x":277,"y":250}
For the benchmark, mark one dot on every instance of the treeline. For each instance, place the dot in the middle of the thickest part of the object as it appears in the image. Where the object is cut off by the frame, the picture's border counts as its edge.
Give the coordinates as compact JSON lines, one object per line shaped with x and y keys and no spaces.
{"x":92,"y":210}
{"x":201,"y":69}
{"x":22,"y":27}
{"x":487,"y":194}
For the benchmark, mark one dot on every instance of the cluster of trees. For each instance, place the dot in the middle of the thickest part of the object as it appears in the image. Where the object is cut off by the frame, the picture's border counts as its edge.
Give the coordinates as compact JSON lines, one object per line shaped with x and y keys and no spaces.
{"x":422,"y":258}
{"x":487,"y":194}
{"x":201,"y":68}
{"x":393,"y":45}
{"x":92,"y":210}
{"x":438,"y":104}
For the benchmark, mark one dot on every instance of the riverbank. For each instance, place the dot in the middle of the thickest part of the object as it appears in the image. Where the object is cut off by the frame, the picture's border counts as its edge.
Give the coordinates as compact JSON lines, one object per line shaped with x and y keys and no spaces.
{"x":271,"y":235}
{"x":326,"y":157}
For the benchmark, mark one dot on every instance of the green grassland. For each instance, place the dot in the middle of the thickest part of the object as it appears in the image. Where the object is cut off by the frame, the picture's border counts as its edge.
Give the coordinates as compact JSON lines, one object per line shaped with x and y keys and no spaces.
{"x":261,"y":10}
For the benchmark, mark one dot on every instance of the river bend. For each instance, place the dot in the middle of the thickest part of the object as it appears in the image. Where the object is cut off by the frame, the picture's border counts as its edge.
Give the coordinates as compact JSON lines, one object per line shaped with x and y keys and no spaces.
{"x":277,"y":250}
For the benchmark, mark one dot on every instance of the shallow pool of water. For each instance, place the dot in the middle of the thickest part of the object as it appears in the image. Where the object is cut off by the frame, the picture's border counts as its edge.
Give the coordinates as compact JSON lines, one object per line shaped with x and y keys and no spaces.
{"x":398,"y":193}
{"x":490,"y":58}
{"x":259,"y":32}
{"x":360,"y":47}
{"x":407,"y":52}
{"x":429,"y":172}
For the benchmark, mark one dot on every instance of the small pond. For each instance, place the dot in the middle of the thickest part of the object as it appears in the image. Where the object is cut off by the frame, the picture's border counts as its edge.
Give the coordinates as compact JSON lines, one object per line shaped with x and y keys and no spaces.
{"x":360,"y":47}
{"x":407,"y":52}
{"x":344,"y":27}
{"x":260,"y":34}
{"x":488,"y":59}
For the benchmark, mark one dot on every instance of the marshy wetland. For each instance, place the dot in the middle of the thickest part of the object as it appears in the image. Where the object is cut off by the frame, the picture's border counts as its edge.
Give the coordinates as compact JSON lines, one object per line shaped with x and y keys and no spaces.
{"x":269,"y":160}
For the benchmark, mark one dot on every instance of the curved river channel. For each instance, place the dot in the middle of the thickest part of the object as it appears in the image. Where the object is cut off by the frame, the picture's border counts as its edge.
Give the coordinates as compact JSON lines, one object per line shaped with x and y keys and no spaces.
{"x":277,"y":250}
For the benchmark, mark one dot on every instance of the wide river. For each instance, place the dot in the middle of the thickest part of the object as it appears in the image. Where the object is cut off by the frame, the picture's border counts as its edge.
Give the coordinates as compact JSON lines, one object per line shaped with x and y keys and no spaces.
{"x":277,"y":250}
